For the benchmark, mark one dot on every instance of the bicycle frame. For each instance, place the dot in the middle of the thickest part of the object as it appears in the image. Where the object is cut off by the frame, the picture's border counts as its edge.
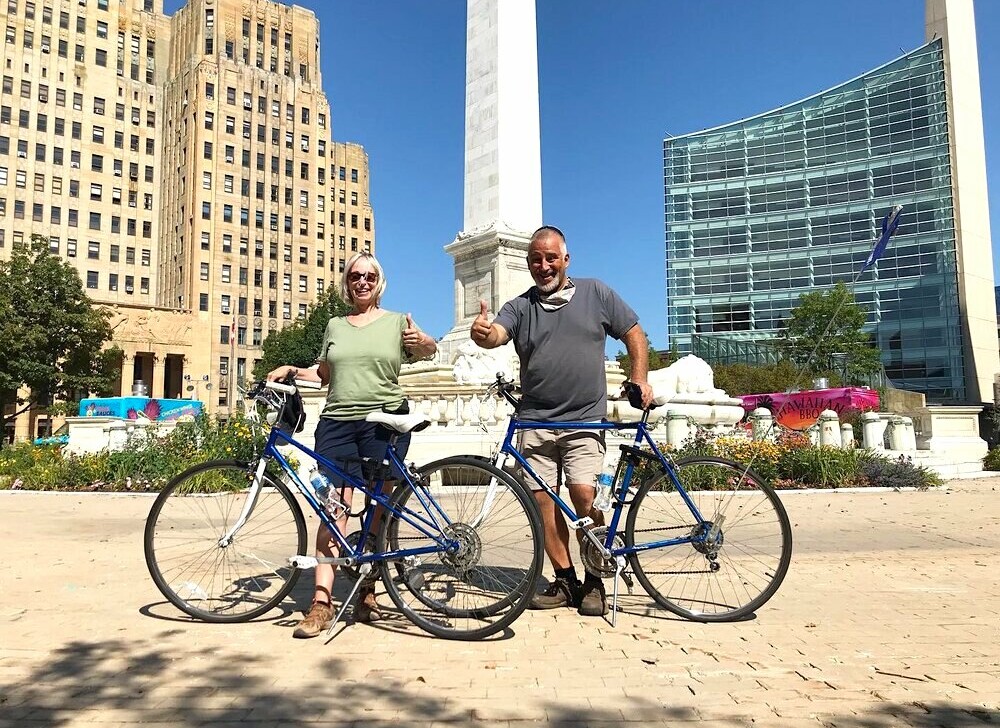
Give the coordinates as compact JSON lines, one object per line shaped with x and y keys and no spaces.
{"x":642,"y":437}
{"x":429,"y":526}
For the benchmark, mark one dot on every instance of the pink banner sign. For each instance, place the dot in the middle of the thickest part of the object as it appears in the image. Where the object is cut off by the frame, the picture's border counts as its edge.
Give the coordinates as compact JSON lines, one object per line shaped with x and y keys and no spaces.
{"x":800,"y":410}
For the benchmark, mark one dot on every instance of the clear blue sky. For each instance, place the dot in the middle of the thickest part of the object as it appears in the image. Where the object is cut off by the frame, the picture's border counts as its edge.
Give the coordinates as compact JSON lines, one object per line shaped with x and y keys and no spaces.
{"x":613,"y":79}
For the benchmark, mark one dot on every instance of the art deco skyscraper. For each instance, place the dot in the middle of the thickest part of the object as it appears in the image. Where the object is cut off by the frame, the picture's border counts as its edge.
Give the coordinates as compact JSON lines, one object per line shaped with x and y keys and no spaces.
{"x":247,"y":152}
{"x":185,"y":165}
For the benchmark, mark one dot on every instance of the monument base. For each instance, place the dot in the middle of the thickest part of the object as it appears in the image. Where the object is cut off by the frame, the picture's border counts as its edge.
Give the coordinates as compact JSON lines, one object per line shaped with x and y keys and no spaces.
{"x":490,"y":265}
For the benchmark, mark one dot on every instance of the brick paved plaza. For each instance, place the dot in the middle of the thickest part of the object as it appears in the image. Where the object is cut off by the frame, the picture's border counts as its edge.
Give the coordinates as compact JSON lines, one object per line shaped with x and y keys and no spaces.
{"x":890,"y":615}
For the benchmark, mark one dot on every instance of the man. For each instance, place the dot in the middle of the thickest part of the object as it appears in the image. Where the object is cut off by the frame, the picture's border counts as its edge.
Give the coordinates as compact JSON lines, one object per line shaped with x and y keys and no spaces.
{"x":559,"y":328}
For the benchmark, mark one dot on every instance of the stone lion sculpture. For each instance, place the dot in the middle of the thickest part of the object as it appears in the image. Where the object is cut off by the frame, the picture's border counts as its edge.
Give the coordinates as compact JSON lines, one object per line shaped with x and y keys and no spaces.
{"x":687,"y":378}
{"x":475,"y":365}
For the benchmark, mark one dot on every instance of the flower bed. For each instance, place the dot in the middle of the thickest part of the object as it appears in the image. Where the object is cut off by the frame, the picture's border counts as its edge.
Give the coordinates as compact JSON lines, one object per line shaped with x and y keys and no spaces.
{"x":144,"y":464}
{"x":792,"y":461}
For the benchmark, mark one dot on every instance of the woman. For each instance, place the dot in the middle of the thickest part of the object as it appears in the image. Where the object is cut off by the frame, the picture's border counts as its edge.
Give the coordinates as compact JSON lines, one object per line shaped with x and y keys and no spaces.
{"x":359,"y":362}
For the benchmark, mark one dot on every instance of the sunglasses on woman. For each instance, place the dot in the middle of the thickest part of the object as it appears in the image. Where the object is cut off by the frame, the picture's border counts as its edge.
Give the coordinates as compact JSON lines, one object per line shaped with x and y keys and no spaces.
{"x":354,"y":277}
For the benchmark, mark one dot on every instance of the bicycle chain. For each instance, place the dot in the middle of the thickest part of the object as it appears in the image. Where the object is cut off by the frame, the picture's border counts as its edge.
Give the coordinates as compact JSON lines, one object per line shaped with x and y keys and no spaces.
{"x":670,"y":573}
{"x":661,"y":528}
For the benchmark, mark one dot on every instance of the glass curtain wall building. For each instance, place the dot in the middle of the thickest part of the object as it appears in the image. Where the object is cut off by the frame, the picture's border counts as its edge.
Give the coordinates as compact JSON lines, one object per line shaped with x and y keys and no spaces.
{"x":763,"y":210}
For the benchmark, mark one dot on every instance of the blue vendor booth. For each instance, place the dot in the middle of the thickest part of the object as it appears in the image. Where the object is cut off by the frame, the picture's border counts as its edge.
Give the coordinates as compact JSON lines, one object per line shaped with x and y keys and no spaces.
{"x":132,"y":408}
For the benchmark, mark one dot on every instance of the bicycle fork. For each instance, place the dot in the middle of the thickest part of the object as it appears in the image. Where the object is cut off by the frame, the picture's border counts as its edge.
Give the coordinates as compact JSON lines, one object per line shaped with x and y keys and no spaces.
{"x":248,"y":506}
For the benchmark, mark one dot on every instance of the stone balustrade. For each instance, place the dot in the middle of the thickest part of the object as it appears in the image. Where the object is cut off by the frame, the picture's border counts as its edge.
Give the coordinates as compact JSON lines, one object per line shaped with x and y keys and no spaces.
{"x":465,"y":420}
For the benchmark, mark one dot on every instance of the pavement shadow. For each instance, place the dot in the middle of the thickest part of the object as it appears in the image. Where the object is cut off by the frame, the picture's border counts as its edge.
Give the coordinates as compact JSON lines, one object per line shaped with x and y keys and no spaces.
{"x":128,"y":681}
{"x":929,"y":714}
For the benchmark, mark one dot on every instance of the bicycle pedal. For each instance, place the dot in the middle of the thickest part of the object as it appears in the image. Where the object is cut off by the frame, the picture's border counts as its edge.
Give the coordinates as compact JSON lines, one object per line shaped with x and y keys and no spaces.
{"x":302,"y":562}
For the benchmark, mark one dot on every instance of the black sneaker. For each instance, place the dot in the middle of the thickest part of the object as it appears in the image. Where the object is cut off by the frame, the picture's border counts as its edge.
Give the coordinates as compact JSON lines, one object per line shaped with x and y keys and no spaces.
{"x":559,"y":593}
{"x":593,"y":600}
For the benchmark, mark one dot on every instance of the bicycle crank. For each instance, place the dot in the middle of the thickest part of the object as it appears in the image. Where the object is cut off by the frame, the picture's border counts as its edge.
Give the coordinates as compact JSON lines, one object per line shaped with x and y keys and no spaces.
{"x":594,"y":561}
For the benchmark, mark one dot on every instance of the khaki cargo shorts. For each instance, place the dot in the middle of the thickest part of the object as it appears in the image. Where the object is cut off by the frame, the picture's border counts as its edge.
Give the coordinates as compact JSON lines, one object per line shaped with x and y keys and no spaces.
{"x":574,"y":457}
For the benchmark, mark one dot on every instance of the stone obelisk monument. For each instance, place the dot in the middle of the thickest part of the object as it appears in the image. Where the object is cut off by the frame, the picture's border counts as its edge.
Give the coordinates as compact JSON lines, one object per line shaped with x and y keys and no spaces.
{"x":503,"y":171}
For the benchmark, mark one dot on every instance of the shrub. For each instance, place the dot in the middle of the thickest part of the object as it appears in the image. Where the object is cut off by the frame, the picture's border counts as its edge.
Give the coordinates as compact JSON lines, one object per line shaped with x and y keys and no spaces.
{"x":822,"y":467}
{"x":992,"y":459}
{"x":792,"y":461}
{"x":147,"y":462}
{"x":901,"y":473}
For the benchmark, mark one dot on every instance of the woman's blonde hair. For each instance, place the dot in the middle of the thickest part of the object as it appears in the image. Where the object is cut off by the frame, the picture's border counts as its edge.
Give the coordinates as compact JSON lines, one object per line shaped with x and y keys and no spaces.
{"x":345,"y":288}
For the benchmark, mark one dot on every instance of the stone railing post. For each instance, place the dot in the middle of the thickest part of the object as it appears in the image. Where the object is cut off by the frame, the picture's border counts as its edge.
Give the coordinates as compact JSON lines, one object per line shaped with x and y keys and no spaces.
{"x":873,"y":430}
{"x":829,"y":429}
{"x":901,"y":435}
{"x":847,"y":436}
{"x":762,"y":424}
{"x":678,"y":429}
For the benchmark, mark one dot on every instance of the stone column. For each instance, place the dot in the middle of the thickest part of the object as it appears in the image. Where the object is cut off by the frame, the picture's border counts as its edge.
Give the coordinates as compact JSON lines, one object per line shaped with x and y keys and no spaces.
{"x":156,"y":386}
{"x":503,"y":177}
{"x":128,"y":373}
{"x":954,"y":22}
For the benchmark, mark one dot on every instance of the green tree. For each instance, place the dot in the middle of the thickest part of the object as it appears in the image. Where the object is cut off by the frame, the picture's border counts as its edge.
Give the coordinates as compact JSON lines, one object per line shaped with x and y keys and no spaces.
{"x":824,"y":333}
{"x":53,"y":336}
{"x":299,"y":343}
{"x":655,"y":360}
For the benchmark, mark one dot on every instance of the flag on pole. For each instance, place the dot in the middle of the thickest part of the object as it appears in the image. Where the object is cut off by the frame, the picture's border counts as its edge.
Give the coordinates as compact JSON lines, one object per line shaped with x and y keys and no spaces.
{"x":889,"y":225}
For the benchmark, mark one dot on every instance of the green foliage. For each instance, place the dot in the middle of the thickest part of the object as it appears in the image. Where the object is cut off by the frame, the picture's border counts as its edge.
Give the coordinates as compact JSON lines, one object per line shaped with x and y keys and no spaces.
{"x":655,"y":360}
{"x":738,"y":379}
{"x":299,"y":343}
{"x":53,"y":336}
{"x":824,"y":332}
{"x":823,"y":467}
{"x":146,"y":462}
{"x":901,"y":473}
{"x":794,"y":462}
{"x":992,"y":459}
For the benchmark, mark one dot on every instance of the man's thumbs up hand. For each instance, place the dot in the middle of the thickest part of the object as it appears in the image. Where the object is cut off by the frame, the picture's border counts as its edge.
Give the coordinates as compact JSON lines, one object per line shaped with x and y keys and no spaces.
{"x":481,"y":328}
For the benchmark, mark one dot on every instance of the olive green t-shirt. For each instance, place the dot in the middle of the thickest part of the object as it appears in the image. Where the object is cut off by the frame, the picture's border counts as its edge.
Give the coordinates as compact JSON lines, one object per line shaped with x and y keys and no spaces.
{"x":364,"y":366}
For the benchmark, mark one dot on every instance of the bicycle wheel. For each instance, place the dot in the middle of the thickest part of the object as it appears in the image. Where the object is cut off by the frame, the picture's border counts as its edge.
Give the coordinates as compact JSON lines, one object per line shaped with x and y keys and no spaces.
{"x":718,"y":581}
{"x":486,"y":583}
{"x":206,"y":579}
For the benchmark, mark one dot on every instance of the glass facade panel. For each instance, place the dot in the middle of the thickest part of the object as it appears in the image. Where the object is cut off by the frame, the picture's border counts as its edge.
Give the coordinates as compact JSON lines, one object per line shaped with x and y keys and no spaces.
{"x":763,"y":210}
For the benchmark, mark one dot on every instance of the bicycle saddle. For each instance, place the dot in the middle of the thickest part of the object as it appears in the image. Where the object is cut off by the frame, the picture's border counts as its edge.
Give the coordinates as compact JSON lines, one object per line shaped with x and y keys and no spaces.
{"x":400,"y":423}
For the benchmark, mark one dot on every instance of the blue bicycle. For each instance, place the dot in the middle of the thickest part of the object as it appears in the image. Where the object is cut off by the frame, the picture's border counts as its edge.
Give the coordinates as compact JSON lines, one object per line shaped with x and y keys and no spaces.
{"x":706,"y":537}
{"x":458,"y":547}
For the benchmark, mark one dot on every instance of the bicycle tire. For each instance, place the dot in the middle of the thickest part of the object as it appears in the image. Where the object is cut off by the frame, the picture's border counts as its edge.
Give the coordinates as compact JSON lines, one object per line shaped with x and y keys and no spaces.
{"x":751,"y":560}
{"x":402,"y":495}
{"x":483,"y":588}
{"x":205,"y":580}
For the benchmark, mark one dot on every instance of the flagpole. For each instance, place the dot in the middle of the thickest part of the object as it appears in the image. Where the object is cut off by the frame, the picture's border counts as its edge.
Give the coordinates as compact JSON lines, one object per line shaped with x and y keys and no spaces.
{"x":889,"y":225}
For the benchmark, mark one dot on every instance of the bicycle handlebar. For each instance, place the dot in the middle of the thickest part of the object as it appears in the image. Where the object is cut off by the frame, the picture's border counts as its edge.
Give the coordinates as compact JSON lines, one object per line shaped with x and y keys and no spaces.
{"x":506,"y":388}
{"x":280,"y":387}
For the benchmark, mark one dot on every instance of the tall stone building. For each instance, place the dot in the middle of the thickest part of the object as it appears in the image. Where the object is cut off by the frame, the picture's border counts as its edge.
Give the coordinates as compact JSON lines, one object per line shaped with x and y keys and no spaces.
{"x":185,"y":165}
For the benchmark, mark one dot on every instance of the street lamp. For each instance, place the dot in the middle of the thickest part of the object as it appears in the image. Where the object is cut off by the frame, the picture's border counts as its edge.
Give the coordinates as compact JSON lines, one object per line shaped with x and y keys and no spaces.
{"x":194,"y":383}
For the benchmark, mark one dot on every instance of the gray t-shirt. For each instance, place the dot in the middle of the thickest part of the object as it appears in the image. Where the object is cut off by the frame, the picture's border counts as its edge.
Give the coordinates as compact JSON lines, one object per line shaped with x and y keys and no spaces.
{"x":562,"y":351}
